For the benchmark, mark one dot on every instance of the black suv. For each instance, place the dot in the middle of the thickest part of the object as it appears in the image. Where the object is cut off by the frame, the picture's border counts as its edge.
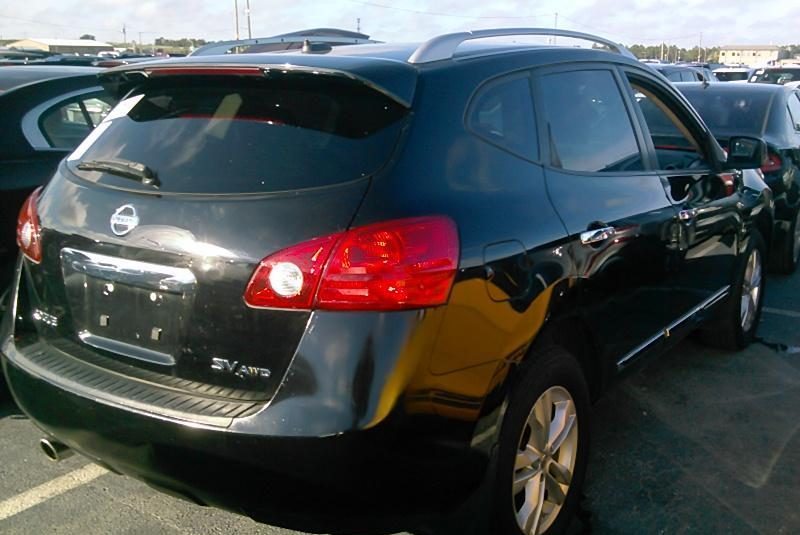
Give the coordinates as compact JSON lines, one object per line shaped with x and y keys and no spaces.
{"x":375,"y":289}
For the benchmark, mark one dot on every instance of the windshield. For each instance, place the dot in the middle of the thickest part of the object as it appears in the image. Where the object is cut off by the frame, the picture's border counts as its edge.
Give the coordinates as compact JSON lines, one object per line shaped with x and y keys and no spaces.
{"x":224,"y":134}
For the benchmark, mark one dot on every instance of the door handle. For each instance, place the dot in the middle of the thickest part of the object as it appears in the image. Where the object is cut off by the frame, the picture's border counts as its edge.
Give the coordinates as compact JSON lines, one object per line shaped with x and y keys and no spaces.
{"x":597,"y":235}
{"x":687,"y":215}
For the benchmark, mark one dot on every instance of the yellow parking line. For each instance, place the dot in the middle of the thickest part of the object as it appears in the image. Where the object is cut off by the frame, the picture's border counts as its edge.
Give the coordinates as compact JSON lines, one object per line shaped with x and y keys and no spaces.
{"x":45,"y":491}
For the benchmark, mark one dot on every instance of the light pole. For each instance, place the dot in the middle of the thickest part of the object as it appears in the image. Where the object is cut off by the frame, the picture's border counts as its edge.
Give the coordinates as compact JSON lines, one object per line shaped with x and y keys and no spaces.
{"x":247,"y":11}
{"x":236,"y":17}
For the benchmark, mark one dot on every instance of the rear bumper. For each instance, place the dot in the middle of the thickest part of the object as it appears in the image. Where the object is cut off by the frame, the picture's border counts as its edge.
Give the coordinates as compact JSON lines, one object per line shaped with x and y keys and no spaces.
{"x":315,"y":459}
{"x":359,"y":481}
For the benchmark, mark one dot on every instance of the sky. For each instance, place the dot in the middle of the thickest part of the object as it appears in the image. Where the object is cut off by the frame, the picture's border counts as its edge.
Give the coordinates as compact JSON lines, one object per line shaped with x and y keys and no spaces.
{"x":686,"y":23}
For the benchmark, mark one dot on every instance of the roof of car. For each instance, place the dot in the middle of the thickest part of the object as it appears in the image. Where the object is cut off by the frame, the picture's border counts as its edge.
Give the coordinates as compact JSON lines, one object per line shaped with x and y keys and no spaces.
{"x":731,"y":88}
{"x":17,"y":75}
{"x":673,"y":67}
{"x":391,"y":67}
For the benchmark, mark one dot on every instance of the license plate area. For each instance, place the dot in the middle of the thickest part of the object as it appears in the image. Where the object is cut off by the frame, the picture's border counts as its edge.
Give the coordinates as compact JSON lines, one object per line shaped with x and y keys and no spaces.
{"x":135,"y":309}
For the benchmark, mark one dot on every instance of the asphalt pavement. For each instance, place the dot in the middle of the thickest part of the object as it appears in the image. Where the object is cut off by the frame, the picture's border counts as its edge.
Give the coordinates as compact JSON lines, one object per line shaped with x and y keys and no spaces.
{"x":697,"y":441}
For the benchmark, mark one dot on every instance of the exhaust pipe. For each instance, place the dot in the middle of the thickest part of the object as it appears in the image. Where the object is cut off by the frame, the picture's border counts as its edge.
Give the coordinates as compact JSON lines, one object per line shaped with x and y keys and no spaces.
{"x":55,"y":451}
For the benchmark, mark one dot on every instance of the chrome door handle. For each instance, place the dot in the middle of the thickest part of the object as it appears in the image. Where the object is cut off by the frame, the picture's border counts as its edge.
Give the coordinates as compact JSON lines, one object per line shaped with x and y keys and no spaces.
{"x":687,"y":215}
{"x":597,"y":235}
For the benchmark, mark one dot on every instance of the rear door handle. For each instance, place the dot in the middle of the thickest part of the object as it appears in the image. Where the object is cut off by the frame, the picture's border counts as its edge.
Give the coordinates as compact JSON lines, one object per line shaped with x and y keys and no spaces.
{"x":597,"y":235}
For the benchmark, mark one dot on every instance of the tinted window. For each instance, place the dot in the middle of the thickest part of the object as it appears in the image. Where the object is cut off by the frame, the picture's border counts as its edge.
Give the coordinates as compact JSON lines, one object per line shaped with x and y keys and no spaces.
{"x":588,"y":124}
{"x":731,"y":76}
{"x":794,"y":110}
{"x":728,"y":112}
{"x":675,"y":146}
{"x":219,"y":134}
{"x":502,"y":113}
{"x":67,"y":123}
{"x":776,"y":76}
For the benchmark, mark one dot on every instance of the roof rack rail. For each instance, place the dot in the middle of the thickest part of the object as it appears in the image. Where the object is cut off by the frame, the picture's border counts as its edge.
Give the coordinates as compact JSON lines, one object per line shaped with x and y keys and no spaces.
{"x":224,"y":47}
{"x":444,"y":46}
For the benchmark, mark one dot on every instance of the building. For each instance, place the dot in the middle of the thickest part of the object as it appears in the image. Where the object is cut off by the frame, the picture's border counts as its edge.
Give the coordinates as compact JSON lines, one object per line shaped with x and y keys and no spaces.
{"x":62,"y":46}
{"x":751,"y":55}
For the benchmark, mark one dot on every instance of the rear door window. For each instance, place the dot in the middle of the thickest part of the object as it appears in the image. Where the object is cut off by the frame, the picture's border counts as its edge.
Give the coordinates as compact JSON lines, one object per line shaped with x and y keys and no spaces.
{"x":502,"y":114}
{"x":588,"y":125}
{"x":224,"y":134}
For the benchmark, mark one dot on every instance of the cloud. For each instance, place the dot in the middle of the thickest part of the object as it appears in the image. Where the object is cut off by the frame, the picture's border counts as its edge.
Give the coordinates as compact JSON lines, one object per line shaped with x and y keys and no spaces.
{"x":630,"y":21}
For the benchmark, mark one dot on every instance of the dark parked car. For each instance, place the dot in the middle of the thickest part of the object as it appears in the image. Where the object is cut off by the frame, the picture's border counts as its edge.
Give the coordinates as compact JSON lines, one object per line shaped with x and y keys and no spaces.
{"x":375,"y":288}
{"x":67,"y":59}
{"x":771,"y":113}
{"x":47,"y":111}
{"x":776,"y":75}
{"x":679,"y":73}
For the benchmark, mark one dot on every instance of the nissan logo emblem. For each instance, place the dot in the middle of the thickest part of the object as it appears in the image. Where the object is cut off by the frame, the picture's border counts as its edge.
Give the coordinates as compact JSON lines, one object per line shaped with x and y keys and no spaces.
{"x":124,"y":220}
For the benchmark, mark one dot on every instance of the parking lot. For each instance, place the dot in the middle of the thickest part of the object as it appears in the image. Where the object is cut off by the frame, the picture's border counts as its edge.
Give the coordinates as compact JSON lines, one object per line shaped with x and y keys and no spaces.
{"x":698,"y":441}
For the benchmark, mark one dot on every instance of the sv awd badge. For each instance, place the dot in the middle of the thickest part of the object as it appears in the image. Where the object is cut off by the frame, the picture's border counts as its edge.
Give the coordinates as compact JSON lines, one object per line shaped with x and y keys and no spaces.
{"x":239,"y":370}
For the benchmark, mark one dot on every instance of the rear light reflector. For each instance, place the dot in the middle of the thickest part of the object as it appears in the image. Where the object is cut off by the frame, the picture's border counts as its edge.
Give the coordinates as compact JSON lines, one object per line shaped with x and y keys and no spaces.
{"x":773,"y":163}
{"x":394,"y":265}
{"x":29,"y":231}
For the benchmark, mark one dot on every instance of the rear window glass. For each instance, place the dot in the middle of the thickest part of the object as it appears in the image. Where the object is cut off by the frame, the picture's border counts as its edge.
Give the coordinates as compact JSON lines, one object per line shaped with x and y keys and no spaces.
{"x":726,"y":112}
{"x":731,"y":76}
{"x":222,"y":134}
{"x":776,"y":76}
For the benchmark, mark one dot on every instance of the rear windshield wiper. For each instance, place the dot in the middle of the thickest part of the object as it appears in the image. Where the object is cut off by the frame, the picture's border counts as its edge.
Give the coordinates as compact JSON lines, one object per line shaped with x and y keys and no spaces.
{"x":124,"y":168}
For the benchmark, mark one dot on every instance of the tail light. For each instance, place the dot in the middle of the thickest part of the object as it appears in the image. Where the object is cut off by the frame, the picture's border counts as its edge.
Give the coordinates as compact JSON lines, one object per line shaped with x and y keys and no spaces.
{"x":29,"y":232}
{"x":400,"y":264}
{"x":772,"y":163}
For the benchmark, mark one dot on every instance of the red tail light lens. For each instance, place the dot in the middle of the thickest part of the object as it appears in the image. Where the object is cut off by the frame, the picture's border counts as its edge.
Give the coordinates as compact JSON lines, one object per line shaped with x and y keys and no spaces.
{"x":29,"y":232}
{"x":289,"y":278}
{"x":773,"y":163}
{"x":401,"y":264}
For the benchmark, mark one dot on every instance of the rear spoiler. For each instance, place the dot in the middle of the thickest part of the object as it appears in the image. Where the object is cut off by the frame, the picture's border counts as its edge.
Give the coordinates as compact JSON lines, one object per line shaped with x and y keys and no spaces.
{"x":397,"y":80}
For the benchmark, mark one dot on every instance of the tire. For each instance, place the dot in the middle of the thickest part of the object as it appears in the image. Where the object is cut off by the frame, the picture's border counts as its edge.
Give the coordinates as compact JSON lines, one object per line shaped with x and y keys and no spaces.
{"x":788,"y":249}
{"x":734,"y":329}
{"x":552,"y":389}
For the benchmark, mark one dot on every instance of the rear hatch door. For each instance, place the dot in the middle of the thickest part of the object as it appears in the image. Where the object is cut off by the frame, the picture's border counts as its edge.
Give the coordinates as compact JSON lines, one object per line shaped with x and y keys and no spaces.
{"x":154,"y":226}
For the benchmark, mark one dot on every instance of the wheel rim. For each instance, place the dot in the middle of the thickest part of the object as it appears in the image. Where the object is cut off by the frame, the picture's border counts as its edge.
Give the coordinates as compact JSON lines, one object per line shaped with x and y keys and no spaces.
{"x":751,"y":290}
{"x":545,"y":461}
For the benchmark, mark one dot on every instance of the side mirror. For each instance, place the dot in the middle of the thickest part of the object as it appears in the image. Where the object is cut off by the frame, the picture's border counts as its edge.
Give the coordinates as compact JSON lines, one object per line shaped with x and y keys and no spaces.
{"x":745,"y":153}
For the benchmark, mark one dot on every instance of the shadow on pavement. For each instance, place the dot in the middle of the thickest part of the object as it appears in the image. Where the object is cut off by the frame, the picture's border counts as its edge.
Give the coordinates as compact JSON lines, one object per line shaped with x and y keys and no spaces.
{"x":699,"y":441}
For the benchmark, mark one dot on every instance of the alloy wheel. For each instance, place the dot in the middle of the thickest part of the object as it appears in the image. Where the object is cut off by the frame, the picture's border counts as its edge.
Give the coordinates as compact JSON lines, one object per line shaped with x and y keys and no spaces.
{"x":751,"y":290}
{"x":545,"y":461}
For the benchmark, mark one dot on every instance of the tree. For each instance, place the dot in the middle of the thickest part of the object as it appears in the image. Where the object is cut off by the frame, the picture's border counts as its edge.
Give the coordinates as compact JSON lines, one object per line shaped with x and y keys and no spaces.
{"x":87,"y":37}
